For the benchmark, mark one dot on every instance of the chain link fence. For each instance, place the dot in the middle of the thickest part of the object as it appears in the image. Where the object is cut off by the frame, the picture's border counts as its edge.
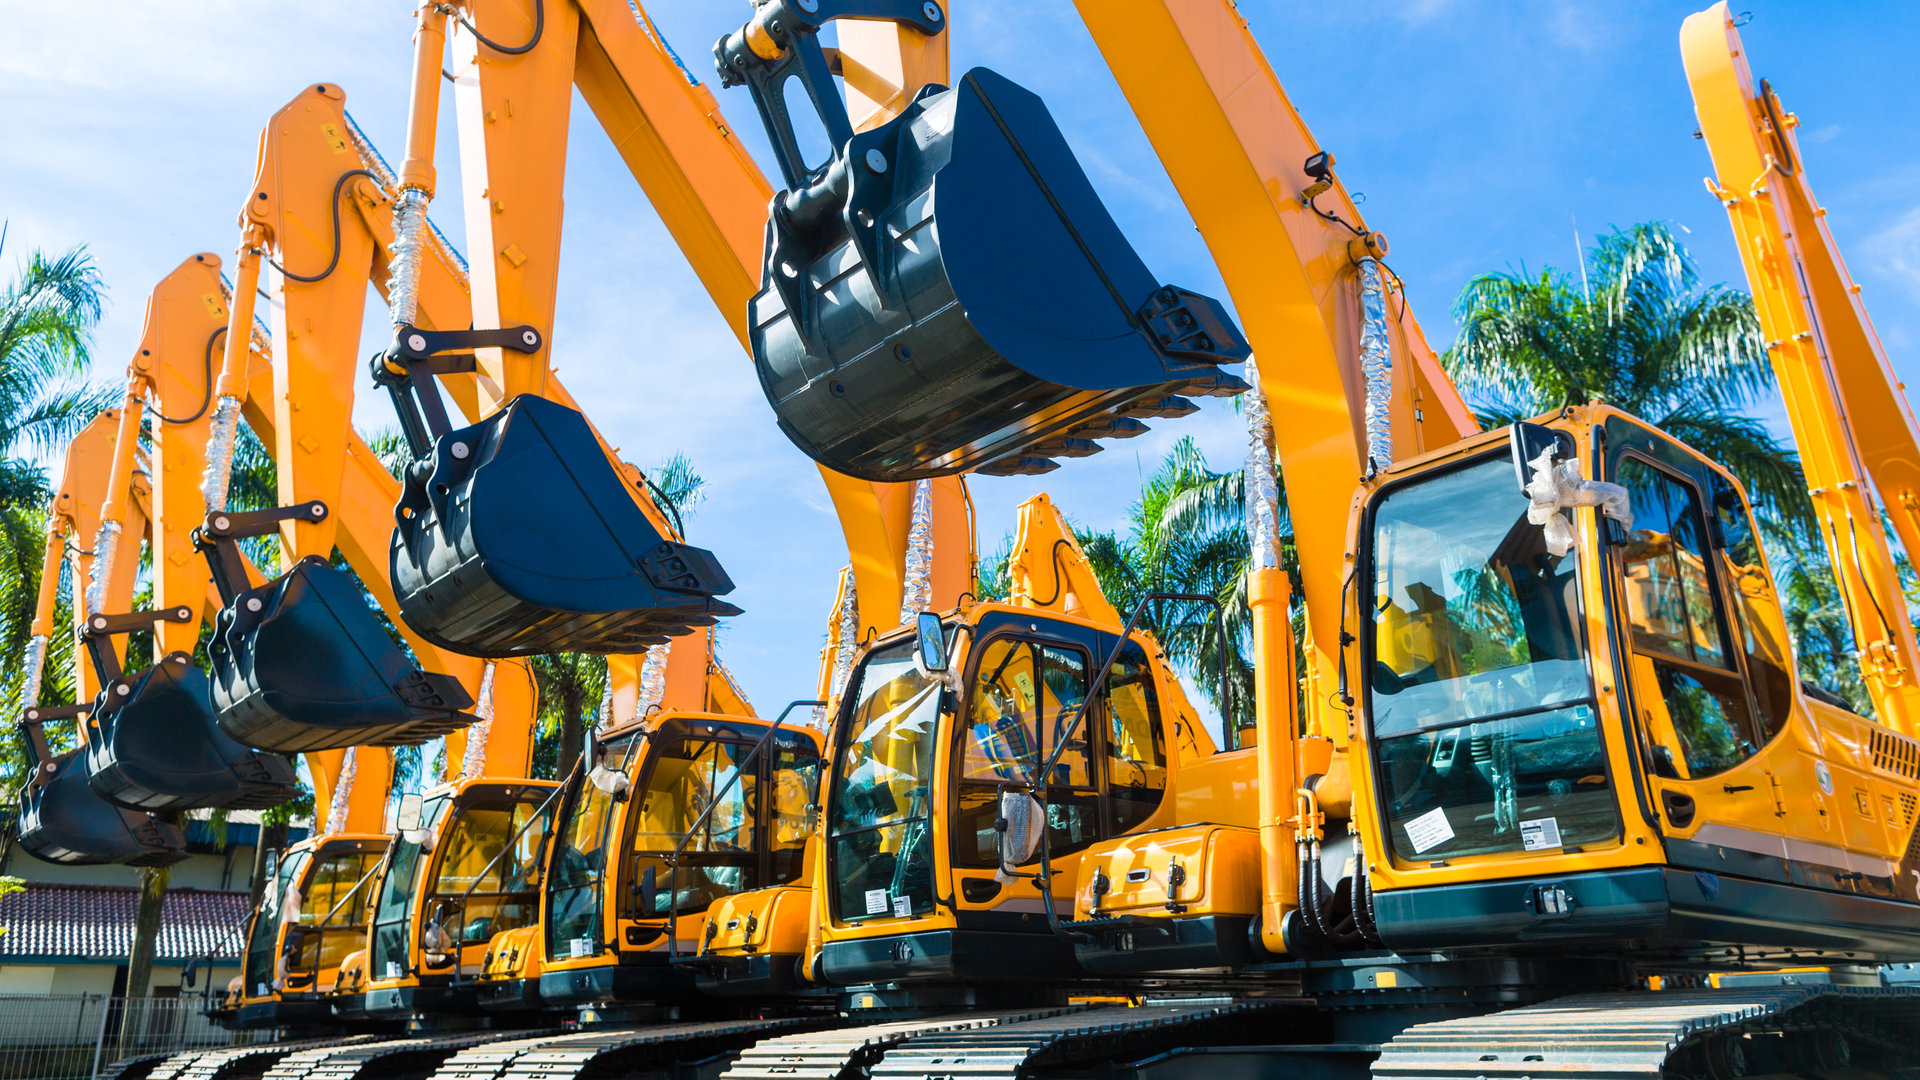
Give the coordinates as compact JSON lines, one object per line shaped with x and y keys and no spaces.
{"x":76,"y":1036}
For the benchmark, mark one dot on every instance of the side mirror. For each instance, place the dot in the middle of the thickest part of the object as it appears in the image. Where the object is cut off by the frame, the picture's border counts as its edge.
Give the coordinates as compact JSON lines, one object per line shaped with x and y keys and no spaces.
{"x":1527,"y":442}
{"x":411,"y":808}
{"x":648,"y":888}
{"x":933,"y":641}
{"x":273,"y":862}
{"x":190,"y":974}
{"x":1022,"y":822}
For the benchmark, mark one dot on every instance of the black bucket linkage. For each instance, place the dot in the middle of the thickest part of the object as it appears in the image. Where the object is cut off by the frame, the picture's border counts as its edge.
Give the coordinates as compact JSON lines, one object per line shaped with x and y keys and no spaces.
{"x":946,"y":292}
{"x":62,"y":819}
{"x":516,"y":535}
{"x":153,"y":743}
{"x":303,"y":662}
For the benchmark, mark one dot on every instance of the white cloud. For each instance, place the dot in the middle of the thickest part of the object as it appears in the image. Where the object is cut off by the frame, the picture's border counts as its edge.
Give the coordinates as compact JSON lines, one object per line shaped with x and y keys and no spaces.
{"x":1893,"y":253}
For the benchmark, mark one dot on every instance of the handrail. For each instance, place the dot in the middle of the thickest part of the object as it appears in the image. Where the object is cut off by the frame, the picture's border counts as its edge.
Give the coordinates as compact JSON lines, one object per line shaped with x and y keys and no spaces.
{"x":1038,"y":787}
{"x":673,"y":859}
{"x":466,"y":896}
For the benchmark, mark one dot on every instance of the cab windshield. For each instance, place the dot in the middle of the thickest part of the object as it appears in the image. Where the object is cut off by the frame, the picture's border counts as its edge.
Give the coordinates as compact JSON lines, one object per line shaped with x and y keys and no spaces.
{"x":488,"y":873}
{"x":878,"y":826}
{"x":1479,"y":700}
{"x":580,"y":858}
{"x":264,"y":931}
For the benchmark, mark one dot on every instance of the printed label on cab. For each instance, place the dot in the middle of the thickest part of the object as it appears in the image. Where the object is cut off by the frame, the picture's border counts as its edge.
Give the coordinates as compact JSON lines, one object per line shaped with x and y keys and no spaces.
{"x":876,"y":901}
{"x":902,"y":907}
{"x":393,"y":969}
{"x":1540,"y":834}
{"x":580,"y":947}
{"x":1429,"y":830}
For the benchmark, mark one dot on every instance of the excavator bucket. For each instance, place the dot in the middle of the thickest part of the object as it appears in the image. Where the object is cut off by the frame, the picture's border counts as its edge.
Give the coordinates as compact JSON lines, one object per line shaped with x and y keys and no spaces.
{"x":302,"y":663}
{"x":949,"y":294}
{"x":155,"y":746}
{"x":62,"y":820}
{"x":516,"y":536}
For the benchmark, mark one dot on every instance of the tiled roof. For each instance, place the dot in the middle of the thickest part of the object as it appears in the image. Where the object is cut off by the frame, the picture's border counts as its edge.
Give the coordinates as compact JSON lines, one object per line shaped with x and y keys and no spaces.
{"x":95,"y":922}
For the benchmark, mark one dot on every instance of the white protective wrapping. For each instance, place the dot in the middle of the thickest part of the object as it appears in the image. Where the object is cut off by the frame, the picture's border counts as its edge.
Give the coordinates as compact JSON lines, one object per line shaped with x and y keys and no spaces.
{"x":1555,"y":487}
{"x":221,"y":433}
{"x":603,"y":716}
{"x":1026,"y":818}
{"x":33,"y":664}
{"x":410,"y":240}
{"x":653,"y":679}
{"x":475,"y":759}
{"x":916,"y":586}
{"x":105,"y":543}
{"x":1376,"y":364}
{"x":342,"y":793}
{"x":1262,"y":488}
{"x":846,"y":640}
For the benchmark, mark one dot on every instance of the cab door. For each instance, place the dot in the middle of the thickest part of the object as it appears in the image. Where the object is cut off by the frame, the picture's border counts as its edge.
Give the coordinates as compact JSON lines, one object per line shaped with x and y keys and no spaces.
{"x":1709,"y":692}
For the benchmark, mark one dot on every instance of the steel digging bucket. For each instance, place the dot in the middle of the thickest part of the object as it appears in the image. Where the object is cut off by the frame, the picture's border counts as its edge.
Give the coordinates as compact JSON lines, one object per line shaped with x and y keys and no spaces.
{"x":303,"y":662}
{"x":62,"y":820}
{"x":156,"y":747}
{"x":949,"y":294}
{"x":515,"y":536}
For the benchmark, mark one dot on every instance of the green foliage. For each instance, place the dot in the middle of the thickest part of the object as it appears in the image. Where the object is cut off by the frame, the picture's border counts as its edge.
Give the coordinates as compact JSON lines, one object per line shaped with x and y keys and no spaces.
{"x":1641,"y":335}
{"x":47,"y":315}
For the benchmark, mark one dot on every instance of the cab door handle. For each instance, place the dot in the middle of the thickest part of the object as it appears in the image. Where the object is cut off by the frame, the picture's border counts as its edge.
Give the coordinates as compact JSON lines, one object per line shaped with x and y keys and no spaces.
{"x":1731,"y":788}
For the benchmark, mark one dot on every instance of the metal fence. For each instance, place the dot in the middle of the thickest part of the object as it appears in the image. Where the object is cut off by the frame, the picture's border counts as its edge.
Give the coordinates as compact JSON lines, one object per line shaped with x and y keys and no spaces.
{"x":76,"y":1036}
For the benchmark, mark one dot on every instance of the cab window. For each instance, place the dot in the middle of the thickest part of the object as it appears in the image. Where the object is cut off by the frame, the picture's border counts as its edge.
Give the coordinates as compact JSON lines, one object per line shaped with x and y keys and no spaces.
{"x":718,"y":859}
{"x":1136,"y":748}
{"x":1702,"y":723}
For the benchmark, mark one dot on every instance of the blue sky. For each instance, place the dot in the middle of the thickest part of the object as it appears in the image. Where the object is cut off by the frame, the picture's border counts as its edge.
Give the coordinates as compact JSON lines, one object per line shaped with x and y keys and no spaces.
{"x":1479,"y":134}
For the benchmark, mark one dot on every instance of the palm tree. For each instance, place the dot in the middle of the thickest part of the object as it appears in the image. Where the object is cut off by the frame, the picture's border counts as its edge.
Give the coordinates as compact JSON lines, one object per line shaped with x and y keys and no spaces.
{"x":1636,"y":330}
{"x":47,"y":315}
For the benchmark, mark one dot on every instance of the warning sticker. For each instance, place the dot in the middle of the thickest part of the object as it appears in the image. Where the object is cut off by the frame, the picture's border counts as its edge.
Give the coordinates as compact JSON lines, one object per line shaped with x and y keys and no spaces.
{"x":393,"y":969}
{"x":1540,"y":834}
{"x":579,"y":947}
{"x":902,"y":907}
{"x":876,"y":901}
{"x":1429,"y":830}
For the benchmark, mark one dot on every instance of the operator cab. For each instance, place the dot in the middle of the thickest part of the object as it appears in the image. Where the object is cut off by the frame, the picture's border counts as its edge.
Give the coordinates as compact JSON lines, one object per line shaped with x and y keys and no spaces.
{"x":925,"y":755}
{"x":1605,"y":741}
{"x":673,"y":814}
{"x":313,"y":914}
{"x":465,"y":869}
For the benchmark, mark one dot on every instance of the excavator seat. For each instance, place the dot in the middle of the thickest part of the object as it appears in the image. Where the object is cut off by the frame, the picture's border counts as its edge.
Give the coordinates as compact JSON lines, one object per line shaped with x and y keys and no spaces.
{"x":63,"y":821}
{"x":154,"y":745}
{"x":516,"y":537}
{"x":951,"y":295}
{"x":303,"y":663}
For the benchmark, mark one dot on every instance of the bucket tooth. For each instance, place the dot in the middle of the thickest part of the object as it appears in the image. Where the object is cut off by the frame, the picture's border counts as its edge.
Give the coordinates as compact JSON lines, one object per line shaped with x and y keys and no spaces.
{"x":303,"y":663}
{"x":1111,"y":427}
{"x":1171,"y":407}
{"x":519,"y":537}
{"x":1020,"y":466}
{"x":154,"y":745}
{"x":1068,"y":448}
{"x":1221,"y":385}
{"x":966,"y":304}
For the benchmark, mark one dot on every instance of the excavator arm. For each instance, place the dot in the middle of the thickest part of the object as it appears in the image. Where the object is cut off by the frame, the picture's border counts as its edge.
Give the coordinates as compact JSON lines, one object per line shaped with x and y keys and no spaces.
{"x":1856,"y":432}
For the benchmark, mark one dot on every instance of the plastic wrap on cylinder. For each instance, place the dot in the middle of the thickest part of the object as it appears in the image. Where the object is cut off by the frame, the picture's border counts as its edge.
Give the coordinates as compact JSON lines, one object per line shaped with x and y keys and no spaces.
{"x":342,"y":793}
{"x":221,"y":433}
{"x":1376,"y":364}
{"x":916,"y":586}
{"x":846,"y":639}
{"x":653,"y":680}
{"x":34,"y":662}
{"x":105,"y":543}
{"x":475,"y":759}
{"x":603,"y":716}
{"x":410,"y":234}
{"x":1262,"y":489}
